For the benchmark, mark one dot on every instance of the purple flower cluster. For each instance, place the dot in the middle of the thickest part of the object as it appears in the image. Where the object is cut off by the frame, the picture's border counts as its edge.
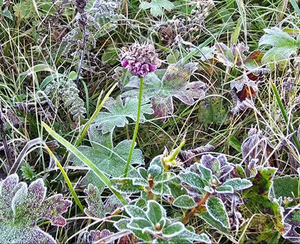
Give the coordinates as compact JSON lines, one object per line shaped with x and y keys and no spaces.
{"x":140,"y":59}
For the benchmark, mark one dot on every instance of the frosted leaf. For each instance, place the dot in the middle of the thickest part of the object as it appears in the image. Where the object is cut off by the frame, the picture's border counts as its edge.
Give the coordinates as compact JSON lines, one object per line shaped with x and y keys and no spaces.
{"x":21,"y":207}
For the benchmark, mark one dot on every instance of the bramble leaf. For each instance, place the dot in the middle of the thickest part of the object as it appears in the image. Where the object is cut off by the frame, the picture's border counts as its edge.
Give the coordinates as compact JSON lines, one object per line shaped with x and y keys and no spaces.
{"x":117,"y":114}
{"x":21,"y":207}
{"x":174,"y":83}
{"x":156,"y":6}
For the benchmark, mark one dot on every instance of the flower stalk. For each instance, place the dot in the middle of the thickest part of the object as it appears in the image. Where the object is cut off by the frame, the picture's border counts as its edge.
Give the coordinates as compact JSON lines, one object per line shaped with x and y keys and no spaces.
{"x":136,"y":128}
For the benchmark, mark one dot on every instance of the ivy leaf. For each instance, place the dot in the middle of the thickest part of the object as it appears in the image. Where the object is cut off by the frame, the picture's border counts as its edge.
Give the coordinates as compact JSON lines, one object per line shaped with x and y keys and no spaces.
{"x":117,"y":114}
{"x":283,"y":45}
{"x":216,"y":209}
{"x":174,"y":83}
{"x":110,"y":159}
{"x":21,"y":207}
{"x":157,"y":6}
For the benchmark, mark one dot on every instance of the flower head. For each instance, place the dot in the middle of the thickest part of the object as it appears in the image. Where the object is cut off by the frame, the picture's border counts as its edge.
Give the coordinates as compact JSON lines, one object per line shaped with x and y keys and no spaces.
{"x":140,"y":59}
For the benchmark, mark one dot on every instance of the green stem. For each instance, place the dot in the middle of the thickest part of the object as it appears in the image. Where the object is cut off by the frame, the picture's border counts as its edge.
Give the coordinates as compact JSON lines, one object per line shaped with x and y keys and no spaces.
{"x":291,"y":130}
{"x":136,"y":127}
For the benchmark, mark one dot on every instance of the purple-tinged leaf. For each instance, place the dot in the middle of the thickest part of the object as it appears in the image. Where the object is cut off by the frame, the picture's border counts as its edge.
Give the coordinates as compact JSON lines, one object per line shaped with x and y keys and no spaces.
{"x":174,"y":83}
{"x":98,"y":209}
{"x":23,"y":206}
{"x":218,"y":166}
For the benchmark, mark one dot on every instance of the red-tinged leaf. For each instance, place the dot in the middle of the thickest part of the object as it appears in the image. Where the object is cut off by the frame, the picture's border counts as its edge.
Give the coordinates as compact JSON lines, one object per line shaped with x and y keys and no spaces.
{"x":22,"y":207}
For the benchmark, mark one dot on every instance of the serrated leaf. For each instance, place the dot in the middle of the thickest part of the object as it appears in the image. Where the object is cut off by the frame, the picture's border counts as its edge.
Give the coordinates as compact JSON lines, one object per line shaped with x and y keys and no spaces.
{"x":238,"y":184}
{"x":216,"y":209}
{"x":118,"y":112}
{"x":21,"y":207}
{"x":155,"y":212}
{"x":283,"y":45}
{"x":157,"y":6}
{"x":96,"y":208}
{"x":174,"y":83}
{"x":110,"y":159}
{"x":185,"y":202}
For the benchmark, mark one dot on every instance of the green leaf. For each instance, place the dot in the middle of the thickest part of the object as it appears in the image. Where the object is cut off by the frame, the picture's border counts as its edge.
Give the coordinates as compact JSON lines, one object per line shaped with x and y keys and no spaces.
{"x":117,"y":114}
{"x":283,"y":45}
{"x":185,"y":202}
{"x":155,"y":212}
{"x":286,"y":187}
{"x":110,"y":159}
{"x":173,"y":230}
{"x":174,"y":83}
{"x":216,"y":209}
{"x":212,"y":111}
{"x":157,"y":6}
{"x":194,"y":180}
{"x":238,"y":184}
{"x":214,"y":223}
{"x":110,"y":55}
{"x":125,"y":185}
{"x":135,"y":212}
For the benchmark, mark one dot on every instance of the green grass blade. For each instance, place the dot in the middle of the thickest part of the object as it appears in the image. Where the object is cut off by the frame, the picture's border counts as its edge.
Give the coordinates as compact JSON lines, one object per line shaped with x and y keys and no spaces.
{"x":85,"y":160}
{"x":87,"y":125}
{"x":285,"y":117}
{"x":65,"y":177}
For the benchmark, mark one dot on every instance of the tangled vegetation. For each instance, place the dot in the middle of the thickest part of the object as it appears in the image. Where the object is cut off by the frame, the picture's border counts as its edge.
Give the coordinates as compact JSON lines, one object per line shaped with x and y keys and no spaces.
{"x":153,"y":121}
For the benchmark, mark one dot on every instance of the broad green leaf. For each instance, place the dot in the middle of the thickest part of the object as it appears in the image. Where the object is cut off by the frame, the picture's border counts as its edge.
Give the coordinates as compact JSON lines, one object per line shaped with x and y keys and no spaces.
{"x":286,"y":187}
{"x":174,"y":83}
{"x":212,"y":111}
{"x":110,"y":159}
{"x":155,"y":212}
{"x":238,"y":184}
{"x":283,"y":45}
{"x":188,"y":236}
{"x":184,"y":201}
{"x":193,"y":180}
{"x":137,"y":226}
{"x":21,"y":207}
{"x":214,"y":223}
{"x":173,"y":230}
{"x":136,"y":212}
{"x":127,"y":186}
{"x":157,"y":6}
{"x":118,"y":112}
{"x":224,"y":189}
{"x":216,"y":209}
{"x":161,"y":189}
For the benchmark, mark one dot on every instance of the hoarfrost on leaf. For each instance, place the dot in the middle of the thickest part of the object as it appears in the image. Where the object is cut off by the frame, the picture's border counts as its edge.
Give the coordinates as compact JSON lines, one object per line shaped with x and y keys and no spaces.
{"x":21,"y":207}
